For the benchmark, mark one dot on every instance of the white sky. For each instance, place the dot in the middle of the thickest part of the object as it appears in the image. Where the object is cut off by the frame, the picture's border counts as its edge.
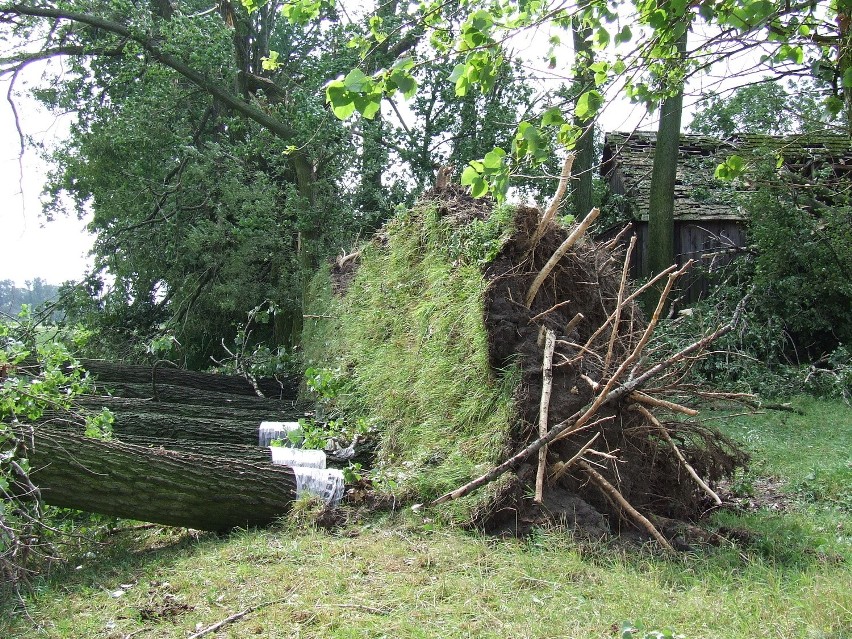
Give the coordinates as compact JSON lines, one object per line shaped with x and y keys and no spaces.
{"x":54,"y":251}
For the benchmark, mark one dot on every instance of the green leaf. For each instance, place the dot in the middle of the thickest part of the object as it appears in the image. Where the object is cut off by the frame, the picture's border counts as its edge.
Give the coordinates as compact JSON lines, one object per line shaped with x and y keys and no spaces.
{"x":368,"y":105}
{"x":478,"y":188}
{"x":340,"y":98}
{"x":356,"y":80}
{"x":847,"y":78}
{"x":270,"y":63}
{"x":458,"y":72}
{"x":469,"y":176}
{"x":625,"y":35}
{"x":494,"y":159}
{"x":588,"y":104}
{"x":552,"y":117}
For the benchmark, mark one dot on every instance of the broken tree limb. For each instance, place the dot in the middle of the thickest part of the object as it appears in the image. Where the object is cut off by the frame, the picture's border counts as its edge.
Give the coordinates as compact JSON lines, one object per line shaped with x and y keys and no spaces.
{"x":689,"y":469}
{"x":548,"y":311}
{"x":164,"y":487}
{"x":565,"y":466}
{"x":550,"y":213}
{"x":612,"y":492}
{"x":619,"y":304}
{"x":572,"y":239}
{"x":547,"y":376}
{"x":644,"y":398}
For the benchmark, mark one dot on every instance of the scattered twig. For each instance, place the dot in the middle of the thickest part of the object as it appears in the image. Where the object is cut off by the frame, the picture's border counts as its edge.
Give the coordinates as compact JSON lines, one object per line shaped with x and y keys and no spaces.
{"x":619,"y":304}
{"x":572,"y":239}
{"x":612,"y":492}
{"x":550,"y":310}
{"x":562,"y":468}
{"x":665,"y":433}
{"x":547,"y":386}
{"x":234,"y":617}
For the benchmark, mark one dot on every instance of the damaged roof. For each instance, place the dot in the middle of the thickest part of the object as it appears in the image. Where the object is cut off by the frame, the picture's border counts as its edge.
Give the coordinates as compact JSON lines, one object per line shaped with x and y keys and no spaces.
{"x":628,"y":159}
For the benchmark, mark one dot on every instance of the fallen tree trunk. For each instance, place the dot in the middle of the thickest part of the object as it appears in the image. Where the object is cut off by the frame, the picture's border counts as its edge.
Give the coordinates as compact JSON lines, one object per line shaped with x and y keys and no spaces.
{"x":184,"y":395}
{"x":164,"y":487}
{"x":208,"y":448}
{"x":272,"y":388}
{"x":189,"y":428}
{"x":281,"y":412}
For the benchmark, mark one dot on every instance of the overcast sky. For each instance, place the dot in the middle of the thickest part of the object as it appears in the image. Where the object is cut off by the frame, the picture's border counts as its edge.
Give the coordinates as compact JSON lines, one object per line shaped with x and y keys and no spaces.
{"x":54,"y":251}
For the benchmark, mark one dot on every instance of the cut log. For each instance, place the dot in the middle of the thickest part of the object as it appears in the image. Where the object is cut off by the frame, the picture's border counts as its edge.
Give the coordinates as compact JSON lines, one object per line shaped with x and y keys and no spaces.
{"x":189,"y":428}
{"x":266,"y":411}
{"x":185,"y":395}
{"x":164,"y":487}
{"x":272,"y":388}
{"x":210,"y":449}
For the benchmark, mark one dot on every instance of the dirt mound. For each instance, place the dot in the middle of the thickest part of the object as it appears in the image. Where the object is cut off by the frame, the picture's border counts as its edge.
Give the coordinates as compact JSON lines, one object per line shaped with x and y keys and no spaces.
{"x":631,"y":453}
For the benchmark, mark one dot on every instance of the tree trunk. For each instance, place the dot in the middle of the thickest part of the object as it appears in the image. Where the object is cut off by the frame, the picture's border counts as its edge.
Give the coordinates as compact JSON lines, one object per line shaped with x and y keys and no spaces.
{"x":184,"y":395}
{"x":286,"y":388}
{"x":164,"y":487}
{"x":132,"y":405}
{"x":209,"y":448}
{"x":661,"y":198}
{"x":194,"y":429}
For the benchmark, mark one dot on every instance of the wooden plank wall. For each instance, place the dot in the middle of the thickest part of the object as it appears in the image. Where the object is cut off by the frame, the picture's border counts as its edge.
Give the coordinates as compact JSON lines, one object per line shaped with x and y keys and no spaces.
{"x":693,"y":240}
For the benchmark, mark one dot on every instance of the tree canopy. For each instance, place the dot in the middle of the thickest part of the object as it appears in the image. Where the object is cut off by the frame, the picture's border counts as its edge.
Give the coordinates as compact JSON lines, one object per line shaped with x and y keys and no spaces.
{"x":226,"y":149}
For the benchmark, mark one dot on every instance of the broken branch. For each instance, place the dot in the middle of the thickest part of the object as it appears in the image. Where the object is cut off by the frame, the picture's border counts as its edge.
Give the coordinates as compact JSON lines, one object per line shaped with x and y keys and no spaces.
{"x":572,"y":239}
{"x":547,"y":375}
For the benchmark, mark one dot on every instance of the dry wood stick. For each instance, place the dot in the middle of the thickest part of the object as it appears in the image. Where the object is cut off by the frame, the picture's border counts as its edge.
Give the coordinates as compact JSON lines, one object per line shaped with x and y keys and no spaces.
{"x":570,"y":326}
{"x":234,"y":617}
{"x":563,"y":468}
{"x":572,"y":239}
{"x":547,"y":386}
{"x":629,"y":299}
{"x":612,"y":492}
{"x":550,"y":310}
{"x":644,"y":398}
{"x":665,"y":433}
{"x":614,"y":332}
{"x":611,"y":244}
{"x":550,"y":213}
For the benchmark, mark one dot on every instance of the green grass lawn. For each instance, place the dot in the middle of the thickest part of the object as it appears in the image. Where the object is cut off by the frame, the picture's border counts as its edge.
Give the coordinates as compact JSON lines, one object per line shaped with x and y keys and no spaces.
{"x":400,"y":576}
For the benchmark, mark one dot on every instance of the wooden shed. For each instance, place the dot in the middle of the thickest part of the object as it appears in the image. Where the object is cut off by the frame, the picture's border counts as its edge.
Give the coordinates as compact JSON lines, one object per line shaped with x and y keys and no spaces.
{"x":708,"y":218}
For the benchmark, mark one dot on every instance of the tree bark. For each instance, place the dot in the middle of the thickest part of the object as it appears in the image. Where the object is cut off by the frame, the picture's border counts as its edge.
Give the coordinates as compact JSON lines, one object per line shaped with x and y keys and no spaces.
{"x":661,"y":198}
{"x":183,"y":395}
{"x":104,"y":371}
{"x":208,"y":448}
{"x":133,"y":405}
{"x":585,"y":147}
{"x":189,"y":428}
{"x":164,"y":487}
